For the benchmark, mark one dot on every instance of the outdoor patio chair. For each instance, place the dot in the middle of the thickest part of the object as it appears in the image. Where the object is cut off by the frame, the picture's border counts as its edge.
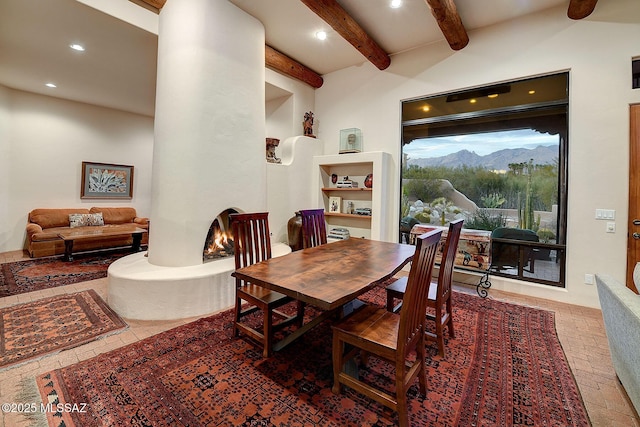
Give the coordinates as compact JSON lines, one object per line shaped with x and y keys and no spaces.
{"x":505,"y":256}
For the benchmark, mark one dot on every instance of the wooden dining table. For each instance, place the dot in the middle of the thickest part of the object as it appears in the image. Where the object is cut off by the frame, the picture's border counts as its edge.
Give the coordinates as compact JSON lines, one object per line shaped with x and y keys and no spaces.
{"x":330,"y":276}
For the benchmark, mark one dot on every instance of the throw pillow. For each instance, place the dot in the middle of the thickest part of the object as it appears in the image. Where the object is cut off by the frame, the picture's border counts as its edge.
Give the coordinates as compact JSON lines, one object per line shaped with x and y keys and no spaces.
{"x":84,"y":220}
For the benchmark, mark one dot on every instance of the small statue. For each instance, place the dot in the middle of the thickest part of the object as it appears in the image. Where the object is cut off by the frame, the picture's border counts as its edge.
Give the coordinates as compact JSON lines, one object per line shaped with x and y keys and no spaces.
{"x":272,"y":143}
{"x":307,"y":124}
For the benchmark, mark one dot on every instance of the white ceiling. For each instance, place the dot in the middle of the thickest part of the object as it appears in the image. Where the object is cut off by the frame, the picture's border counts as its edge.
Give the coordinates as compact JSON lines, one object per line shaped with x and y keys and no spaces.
{"x":119,"y":66}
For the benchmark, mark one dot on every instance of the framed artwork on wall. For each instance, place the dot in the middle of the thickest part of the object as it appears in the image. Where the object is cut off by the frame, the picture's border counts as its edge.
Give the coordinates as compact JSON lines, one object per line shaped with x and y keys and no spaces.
{"x":106,"y":181}
{"x":334,"y":204}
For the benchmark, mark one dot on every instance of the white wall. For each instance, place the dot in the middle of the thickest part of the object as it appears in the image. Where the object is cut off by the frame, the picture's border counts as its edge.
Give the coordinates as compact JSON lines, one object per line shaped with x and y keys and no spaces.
{"x":285,"y":116}
{"x":5,"y":147}
{"x":43,"y":148}
{"x":597,"y":51}
{"x":288,"y":183}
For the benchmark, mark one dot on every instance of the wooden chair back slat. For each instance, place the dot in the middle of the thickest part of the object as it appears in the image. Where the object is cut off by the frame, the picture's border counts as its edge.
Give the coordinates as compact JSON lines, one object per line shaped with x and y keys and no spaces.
{"x":314,"y":229}
{"x":445,"y":276}
{"x":251,"y":238}
{"x":413,"y":312}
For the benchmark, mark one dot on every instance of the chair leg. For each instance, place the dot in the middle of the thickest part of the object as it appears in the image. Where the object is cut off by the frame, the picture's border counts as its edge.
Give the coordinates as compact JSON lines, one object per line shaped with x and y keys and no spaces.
{"x":238,"y":309}
{"x":421,"y":355}
{"x":300,"y":313}
{"x":450,"y":311}
{"x":439,"y":331}
{"x":401,"y":395}
{"x":267,"y":332}
{"x":338,"y":350}
{"x":390,"y":301}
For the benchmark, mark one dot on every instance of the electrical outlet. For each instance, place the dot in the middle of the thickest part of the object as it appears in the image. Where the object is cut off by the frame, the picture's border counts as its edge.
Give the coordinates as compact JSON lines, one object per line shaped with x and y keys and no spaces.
{"x":611,"y":227}
{"x":588,"y":279}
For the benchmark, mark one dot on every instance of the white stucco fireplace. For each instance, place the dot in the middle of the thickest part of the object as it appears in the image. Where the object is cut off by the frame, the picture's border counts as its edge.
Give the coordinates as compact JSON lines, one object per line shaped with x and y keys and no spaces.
{"x":208,"y":157}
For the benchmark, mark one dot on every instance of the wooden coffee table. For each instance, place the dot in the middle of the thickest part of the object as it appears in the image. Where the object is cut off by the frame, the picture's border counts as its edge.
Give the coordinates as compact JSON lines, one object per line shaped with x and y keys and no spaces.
{"x":72,"y":235}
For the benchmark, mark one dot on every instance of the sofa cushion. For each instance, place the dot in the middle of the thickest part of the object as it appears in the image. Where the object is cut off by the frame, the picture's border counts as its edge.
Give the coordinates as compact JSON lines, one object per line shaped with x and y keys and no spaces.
{"x":47,"y":218}
{"x":116,"y":215}
{"x":84,"y":220}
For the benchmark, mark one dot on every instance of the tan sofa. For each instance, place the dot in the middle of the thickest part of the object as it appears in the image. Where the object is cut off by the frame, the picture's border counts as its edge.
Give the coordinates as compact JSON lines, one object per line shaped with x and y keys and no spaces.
{"x":45,"y":224}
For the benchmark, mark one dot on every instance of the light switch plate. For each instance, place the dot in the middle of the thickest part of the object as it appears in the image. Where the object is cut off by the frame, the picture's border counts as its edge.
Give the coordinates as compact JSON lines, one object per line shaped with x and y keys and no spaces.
{"x":607,"y":214}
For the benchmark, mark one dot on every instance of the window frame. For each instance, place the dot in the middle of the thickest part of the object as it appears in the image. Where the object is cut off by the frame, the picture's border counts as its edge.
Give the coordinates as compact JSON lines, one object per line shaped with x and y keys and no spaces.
{"x":563,"y":160}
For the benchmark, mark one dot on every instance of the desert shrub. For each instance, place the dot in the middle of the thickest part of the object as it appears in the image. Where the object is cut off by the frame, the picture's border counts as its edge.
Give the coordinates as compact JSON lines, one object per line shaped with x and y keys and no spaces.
{"x":484,"y":219}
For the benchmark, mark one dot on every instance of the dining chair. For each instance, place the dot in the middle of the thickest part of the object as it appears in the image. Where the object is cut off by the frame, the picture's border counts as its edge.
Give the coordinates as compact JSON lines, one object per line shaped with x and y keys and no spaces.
{"x":252,"y":245}
{"x":390,"y":336}
{"x":439,"y":298}
{"x":314,"y":229}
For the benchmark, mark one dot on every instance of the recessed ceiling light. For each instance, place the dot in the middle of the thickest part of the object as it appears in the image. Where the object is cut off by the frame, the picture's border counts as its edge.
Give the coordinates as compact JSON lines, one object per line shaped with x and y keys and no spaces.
{"x":426,"y":108}
{"x":473,"y":101}
{"x":50,"y":85}
{"x":321,"y":35}
{"x":395,"y":4}
{"x":493,"y":95}
{"x":531,"y":92}
{"x":77,"y":47}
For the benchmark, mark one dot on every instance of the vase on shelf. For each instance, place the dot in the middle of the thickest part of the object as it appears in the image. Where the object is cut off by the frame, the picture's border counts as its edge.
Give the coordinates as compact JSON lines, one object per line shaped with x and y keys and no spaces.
{"x":368,"y":181}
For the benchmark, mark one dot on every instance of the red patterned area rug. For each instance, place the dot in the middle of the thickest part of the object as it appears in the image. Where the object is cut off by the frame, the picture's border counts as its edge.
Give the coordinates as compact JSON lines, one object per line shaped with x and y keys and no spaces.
{"x":49,"y":325}
{"x":504,"y":368}
{"x":43,"y":273}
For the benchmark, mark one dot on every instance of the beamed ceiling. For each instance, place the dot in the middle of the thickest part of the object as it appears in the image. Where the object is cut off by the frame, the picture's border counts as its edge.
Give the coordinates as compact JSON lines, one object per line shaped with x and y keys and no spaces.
{"x":444,"y":12}
{"x":118,"y":69}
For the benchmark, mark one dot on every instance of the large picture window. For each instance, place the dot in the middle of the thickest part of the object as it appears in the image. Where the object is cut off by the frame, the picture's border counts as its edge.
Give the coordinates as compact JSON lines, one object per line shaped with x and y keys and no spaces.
{"x":497,"y":157}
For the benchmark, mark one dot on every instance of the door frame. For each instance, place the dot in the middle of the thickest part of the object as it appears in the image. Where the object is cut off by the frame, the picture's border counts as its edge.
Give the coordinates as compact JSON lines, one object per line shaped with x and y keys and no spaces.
{"x":633,"y":245}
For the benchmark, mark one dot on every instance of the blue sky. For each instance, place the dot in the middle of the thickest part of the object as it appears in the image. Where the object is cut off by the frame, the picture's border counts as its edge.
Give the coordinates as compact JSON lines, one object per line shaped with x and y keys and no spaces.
{"x":480,"y":143}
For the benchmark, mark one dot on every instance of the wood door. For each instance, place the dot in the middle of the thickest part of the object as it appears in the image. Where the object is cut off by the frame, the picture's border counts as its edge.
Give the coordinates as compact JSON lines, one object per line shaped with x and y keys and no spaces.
{"x":633,"y":235}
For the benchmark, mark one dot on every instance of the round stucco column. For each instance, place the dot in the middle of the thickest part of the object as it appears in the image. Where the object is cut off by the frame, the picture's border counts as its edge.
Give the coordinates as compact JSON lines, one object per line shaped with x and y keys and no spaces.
{"x":209,"y":149}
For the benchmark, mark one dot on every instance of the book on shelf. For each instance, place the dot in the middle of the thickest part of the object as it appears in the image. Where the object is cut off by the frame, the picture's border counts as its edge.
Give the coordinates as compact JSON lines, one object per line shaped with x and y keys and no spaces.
{"x":338,"y":233}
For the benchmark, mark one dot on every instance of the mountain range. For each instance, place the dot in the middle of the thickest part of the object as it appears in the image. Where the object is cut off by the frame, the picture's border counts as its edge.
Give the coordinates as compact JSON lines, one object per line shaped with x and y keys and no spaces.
{"x":498,"y":160}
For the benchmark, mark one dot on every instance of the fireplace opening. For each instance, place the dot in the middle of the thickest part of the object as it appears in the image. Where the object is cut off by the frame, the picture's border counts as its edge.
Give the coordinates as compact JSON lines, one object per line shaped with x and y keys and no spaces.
{"x":219,"y":243}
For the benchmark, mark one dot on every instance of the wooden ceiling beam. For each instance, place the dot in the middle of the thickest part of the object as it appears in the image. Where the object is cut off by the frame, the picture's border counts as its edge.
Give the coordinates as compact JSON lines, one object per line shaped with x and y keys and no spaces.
{"x":154,"y":5}
{"x":334,"y":15}
{"x":449,"y":21}
{"x":579,"y":9}
{"x":285,"y":65}
{"x":273,"y":59}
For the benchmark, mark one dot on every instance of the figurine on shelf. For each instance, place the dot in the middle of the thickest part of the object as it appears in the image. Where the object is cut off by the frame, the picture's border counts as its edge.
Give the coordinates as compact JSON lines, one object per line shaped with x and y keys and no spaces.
{"x":307,"y":125}
{"x":272,"y":143}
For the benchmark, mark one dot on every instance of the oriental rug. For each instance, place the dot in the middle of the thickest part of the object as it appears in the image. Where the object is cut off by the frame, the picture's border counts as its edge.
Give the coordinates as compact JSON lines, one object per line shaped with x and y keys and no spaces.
{"x":505,"y":367}
{"x":43,"y":273}
{"x":49,"y":325}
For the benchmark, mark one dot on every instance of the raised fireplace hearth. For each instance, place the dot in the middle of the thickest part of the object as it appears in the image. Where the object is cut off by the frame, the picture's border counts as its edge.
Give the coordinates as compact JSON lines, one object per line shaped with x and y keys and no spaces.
{"x":208,"y":156}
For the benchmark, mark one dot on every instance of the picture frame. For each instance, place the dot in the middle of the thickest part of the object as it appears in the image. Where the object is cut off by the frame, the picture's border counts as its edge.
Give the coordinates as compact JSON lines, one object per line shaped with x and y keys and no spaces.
{"x":334,"y":204}
{"x":106,"y":181}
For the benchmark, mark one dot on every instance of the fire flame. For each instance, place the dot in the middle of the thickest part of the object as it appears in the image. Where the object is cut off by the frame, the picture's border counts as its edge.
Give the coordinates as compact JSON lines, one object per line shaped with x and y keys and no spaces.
{"x":220,"y":242}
